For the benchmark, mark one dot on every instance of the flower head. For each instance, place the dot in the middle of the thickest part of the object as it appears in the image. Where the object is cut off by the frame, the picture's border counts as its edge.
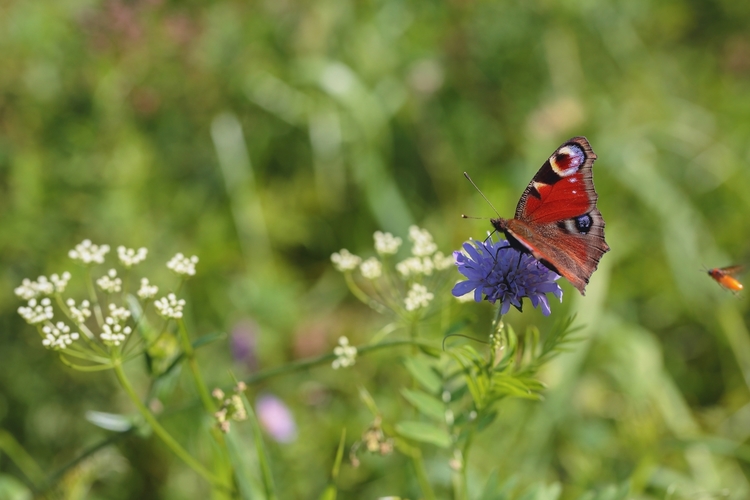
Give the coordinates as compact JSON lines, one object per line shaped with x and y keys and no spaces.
{"x":423,"y":245}
{"x":110,"y":283}
{"x":88,"y":253}
{"x":79,"y":313}
{"x":418,"y":297}
{"x":170,"y":306}
{"x":276,"y":418}
{"x":183,"y":265}
{"x":344,"y":260}
{"x":147,"y":291}
{"x":113,"y":331}
{"x":386,"y":243}
{"x":497,"y":271}
{"x":130,"y":256}
{"x":371,"y":269}
{"x":57,"y":336}
{"x":37,"y":312}
{"x":42,"y":286}
{"x":346,"y":354}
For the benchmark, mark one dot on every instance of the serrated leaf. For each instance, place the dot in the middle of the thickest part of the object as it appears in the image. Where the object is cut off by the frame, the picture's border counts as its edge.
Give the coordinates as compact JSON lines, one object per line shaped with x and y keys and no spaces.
{"x":109,"y":421}
{"x":427,"y":405}
{"x":424,"y":433}
{"x":424,"y":374}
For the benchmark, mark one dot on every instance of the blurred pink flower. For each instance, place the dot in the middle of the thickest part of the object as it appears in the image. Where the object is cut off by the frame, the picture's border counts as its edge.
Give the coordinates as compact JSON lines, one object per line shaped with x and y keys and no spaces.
{"x":275,"y":418}
{"x":243,"y":343}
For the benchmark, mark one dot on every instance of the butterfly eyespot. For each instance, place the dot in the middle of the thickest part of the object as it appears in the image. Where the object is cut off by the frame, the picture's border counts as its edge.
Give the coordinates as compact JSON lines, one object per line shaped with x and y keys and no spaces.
{"x":583,"y":223}
{"x":567,"y":160}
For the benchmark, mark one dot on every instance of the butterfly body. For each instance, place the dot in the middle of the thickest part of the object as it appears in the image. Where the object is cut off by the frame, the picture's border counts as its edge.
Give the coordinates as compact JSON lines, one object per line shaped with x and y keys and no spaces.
{"x":556,"y":219}
{"x":724,"y":277}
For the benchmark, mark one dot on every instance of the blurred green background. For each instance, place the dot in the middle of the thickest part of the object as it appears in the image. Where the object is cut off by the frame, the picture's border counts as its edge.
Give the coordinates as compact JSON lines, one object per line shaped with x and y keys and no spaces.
{"x":263,"y":136}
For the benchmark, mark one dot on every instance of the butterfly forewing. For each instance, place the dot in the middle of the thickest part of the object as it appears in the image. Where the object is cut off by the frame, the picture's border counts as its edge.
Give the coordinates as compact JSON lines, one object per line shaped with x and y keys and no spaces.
{"x":563,"y":188}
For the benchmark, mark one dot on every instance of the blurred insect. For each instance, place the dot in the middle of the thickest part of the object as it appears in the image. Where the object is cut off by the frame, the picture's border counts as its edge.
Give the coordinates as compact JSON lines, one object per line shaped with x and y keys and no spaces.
{"x":724,"y":276}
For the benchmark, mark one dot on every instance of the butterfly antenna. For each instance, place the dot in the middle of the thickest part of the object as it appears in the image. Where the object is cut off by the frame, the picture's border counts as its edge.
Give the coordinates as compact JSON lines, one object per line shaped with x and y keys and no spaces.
{"x":480,"y":192}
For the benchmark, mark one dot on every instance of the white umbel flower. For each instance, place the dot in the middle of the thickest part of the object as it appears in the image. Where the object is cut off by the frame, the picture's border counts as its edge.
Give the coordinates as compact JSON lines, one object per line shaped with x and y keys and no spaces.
{"x":79,"y":313}
{"x":57,"y":336}
{"x":114,"y":332}
{"x":60,"y":282}
{"x":147,"y":291}
{"x":414,"y":266}
{"x":88,"y":253}
{"x":183,"y":265}
{"x":27,"y":290}
{"x":443,"y":262}
{"x":130,"y":256}
{"x":418,"y":297}
{"x":110,"y":283}
{"x":386,"y":243}
{"x":422,"y":243}
{"x":371,"y":269}
{"x":343,"y":260}
{"x":37,"y":312}
{"x":170,"y":306}
{"x":42,"y":286}
{"x":346,"y":354}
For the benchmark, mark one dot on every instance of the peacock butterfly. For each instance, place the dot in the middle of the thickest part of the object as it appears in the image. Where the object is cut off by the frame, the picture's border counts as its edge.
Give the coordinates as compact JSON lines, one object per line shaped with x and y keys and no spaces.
{"x":725,"y":277}
{"x":556,"y":218}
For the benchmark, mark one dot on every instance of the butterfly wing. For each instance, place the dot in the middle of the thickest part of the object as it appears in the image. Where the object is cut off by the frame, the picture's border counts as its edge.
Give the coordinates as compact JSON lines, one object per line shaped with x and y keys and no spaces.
{"x":557,"y":219}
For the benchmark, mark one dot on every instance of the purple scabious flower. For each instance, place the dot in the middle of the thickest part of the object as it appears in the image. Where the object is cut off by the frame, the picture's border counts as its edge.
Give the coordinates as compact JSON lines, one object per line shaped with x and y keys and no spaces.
{"x":497,"y":271}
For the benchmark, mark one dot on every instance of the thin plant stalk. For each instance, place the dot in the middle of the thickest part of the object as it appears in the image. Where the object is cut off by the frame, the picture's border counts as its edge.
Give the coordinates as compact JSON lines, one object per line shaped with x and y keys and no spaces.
{"x":167,"y":438}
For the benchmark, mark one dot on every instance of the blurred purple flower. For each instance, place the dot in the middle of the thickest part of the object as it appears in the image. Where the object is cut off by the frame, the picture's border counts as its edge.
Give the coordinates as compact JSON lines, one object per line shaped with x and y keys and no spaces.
{"x":275,"y":418}
{"x":498,"y":271}
{"x":243,"y":343}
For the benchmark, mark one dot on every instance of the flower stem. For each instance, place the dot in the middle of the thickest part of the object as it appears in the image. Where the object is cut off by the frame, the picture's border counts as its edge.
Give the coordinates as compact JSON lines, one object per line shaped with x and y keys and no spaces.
{"x":94,"y":298}
{"x":302,"y":364}
{"x":223,"y":464}
{"x":357,"y":291}
{"x":187,"y":347}
{"x":168,"y":440}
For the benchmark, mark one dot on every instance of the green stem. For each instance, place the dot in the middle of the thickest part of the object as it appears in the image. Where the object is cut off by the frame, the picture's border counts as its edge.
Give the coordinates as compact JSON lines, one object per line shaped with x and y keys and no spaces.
{"x":94,"y":298}
{"x":496,"y":329}
{"x":357,"y":291}
{"x":21,"y":458}
{"x":187,"y":347}
{"x":303,"y":364}
{"x":168,"y":440}
{"x":424,"y":483}
{"x":84,"y":368}
{"x":223,"y":464}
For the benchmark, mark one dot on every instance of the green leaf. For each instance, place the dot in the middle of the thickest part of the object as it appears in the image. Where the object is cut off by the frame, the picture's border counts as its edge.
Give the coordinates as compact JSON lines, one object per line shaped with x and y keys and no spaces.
{"x":330,"y":492}
{"x":424,"y":374}
{"x":425,"y":433}
{"x":485,"y":419}
{"x":13,"y":489}
{"x":428,"y":405}
{"x":109,"y":421}
{"x":542,"y":492}
{"x":493,"y":490}
{"x":248,"y":486}
{"x":265,"y":466}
